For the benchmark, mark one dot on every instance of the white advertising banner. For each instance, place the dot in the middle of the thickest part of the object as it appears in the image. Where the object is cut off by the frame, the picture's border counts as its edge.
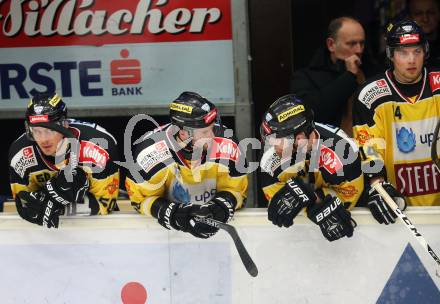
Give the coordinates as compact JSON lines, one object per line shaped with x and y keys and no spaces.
{"x":130,"y":259}
{"x":115,"y":53}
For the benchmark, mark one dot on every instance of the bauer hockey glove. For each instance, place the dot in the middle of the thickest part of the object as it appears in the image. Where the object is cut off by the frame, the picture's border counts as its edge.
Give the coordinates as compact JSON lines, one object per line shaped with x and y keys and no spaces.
{"x":332,"y":218}
{"x":289,"y":201}
{"x":379,"y":208}
{"x":64,"y":191}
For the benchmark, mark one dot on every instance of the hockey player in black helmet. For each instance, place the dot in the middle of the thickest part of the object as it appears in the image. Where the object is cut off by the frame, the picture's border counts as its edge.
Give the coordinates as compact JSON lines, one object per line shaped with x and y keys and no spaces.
{"x":189,"y":168}
{"x":399,"y":107}
{"x":48,"y":172}
{"x":302,"y":168}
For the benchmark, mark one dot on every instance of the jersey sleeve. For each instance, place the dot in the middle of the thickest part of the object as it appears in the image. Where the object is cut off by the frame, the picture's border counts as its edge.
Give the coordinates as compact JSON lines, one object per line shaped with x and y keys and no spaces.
{"x":147,"y":178}
{"x":21,"y":159}
{"x":369,"y":135}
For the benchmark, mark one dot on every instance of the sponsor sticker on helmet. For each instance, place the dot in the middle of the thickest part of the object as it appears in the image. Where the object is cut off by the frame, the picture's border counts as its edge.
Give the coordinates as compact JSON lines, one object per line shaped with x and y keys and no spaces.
{"x":210,"y":116}
{"x":38,"y":118}
{"x":291,"y":112}
{"x":55,"y":100}
{"x":266,"y":128}
{"x":409,"y":38}
{"x":181,"y":108}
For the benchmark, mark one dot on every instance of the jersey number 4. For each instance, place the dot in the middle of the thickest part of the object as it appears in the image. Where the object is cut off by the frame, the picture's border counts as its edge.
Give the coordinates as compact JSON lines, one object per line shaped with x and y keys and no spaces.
{"x":397,"y":113}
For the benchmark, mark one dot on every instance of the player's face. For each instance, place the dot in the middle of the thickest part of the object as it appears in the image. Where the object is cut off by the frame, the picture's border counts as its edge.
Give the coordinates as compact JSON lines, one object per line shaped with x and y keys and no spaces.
{"x":426,"y":14}
{"x":298,"y":143}
{"x":199,"y":137}
{"x":47,"y":140}
{"x":408,"y":63}
{"x":349,"y":41}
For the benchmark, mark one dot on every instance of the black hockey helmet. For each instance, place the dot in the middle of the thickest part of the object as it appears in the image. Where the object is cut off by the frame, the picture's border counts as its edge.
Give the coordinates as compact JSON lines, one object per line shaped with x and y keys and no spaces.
{"x":45,"y":110}
{"x":287,"y":117}
{"x":405,"y":33}
{"x":193,"y":111}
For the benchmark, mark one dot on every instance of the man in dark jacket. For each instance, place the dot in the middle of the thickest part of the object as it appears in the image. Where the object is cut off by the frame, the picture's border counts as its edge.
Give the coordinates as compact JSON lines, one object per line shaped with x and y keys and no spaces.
{"x":333,"y":75}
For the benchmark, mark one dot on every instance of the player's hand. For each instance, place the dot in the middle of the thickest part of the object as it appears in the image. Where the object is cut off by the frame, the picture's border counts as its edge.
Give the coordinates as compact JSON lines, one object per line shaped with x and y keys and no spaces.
{"x":70,"y":188}
{"x":289,"y":201}
{"x":37,"y":208}
{"x":379,"y":208}
{"x":332,"y":218}
{"x":352,"y":64}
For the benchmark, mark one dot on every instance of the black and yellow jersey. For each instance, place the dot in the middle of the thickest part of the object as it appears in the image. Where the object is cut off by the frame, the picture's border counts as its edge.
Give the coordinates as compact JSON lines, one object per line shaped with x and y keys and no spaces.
{"x":29,"y":168}
{"x":394,"y":123}
{"x":333,"y":167}
{"x":164,"y":172}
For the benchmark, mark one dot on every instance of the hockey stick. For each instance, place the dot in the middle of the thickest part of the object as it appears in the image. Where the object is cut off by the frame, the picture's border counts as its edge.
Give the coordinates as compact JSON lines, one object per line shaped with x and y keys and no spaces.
{"x":390,"y":202}
{"x":244,"y":255}
{"x":434,"y":154}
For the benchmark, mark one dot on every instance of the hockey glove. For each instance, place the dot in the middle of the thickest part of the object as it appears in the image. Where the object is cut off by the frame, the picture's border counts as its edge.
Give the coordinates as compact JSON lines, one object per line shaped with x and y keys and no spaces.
{"x":181,"y":217}
{"x":379,"y":208}
{"x":289,"y":201}
{"x":65,"y":192}
{"x":333,"y":219}
{"x":37,"y":208}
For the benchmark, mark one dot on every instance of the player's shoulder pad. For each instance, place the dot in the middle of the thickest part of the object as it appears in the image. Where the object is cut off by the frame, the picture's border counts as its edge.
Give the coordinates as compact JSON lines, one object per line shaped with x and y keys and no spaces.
{"x":373,"y":90}
{"x":338,"y":136}
{"x":225,"y":148}
{"x":270,"y":161}
{"x":90,"y":130}
{"x":152,"y":154}
{"x":22,"y":155}
{"x":434,"y":79}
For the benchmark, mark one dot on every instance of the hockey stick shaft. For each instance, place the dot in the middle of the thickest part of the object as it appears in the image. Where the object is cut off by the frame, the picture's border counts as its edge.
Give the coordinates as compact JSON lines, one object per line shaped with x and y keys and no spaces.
{"x":241,"y":249}
{"x":390,"y":202}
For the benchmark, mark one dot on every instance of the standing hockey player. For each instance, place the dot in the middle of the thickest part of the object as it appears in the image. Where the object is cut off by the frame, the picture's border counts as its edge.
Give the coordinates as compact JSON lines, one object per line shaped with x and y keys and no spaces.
{"x":189,"y":169}
{"x":39,"y":173}
{"x":308,"y":165}
{"x":394,"y":119}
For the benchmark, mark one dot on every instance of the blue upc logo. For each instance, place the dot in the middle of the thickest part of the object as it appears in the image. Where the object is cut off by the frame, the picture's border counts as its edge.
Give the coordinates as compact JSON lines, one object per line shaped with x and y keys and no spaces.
{"x":181,"y":194}
{"x":406,"y":140}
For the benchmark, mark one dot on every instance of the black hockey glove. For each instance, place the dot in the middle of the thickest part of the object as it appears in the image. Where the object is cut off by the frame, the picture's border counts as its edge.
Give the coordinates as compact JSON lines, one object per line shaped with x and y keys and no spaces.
{"x":181,"y":217}
{"x":65,"y":192}
{"x":289,"y":201}
{"x":379,"y":208}
{"x":38,"y":208}
{"x":333,"y":219}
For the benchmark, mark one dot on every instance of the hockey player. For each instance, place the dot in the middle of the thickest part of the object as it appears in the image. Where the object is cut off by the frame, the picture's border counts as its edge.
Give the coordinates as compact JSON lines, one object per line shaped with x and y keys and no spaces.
{"x":308,"y":165}
{"x":39,"y":175}
{"x":189,"y":169}
{"x":394,"y":119}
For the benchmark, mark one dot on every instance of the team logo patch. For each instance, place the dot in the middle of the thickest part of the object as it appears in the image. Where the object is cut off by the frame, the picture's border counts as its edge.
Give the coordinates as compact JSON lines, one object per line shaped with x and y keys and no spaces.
{"x":224,"y":148}
{"x":153,"y":155}
{"x":291,"y":112}
{"x":23,"y":160}
{"x":434,"y":80}
{"x":55,"y":100}
{"x":92,"y":153}
{"x":373,"y":91}
{"x":113,"y":186}
{"x":362,"y":137}
{"x":406,"y":140}
{"x":38,"y":118}
{"x":329,"y":160}
{"x":181,"y":108}
{"x":347,"y":192}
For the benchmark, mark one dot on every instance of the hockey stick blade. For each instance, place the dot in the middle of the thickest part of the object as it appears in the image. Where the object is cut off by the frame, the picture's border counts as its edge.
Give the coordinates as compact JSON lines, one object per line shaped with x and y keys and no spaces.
{"x":242,"y":252}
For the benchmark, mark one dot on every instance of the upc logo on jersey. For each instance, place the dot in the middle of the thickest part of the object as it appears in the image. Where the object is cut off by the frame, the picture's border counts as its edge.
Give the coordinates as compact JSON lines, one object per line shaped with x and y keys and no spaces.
{"x":417,"y":178}
{"x":409,"y":38}
{"x":38,"y":118}
{"x":406,"y":140}
{"x":329,"y":160}
{"x":24,"y":159}
{"x":92,"y":153}
{"x":434,"y":80}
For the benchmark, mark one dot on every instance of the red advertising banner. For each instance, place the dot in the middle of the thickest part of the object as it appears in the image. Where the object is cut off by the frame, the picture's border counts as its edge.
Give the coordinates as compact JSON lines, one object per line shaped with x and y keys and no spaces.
{"x":35,"y":23}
